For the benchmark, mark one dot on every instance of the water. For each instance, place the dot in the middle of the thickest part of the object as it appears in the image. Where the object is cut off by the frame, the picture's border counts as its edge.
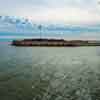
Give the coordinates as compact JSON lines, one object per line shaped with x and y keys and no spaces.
{"x":42,"y":73}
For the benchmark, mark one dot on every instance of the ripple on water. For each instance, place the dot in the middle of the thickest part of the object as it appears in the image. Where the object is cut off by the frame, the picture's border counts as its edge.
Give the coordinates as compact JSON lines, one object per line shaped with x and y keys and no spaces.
{"x":49,"y":73}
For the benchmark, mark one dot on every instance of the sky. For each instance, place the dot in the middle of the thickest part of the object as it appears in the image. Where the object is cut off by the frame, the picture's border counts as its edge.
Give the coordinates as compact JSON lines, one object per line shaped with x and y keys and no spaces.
{"x":54,"y":11}
{"x":67,"y":12}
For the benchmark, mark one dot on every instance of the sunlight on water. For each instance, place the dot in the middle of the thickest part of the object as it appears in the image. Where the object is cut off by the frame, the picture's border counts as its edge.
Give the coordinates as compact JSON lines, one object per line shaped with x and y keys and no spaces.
{"x":41,"y":73}
{"x":65,"y":74}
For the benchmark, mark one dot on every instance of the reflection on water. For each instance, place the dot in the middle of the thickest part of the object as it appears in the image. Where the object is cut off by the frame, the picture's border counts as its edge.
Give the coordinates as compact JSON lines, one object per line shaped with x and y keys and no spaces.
{"x":15,"y":73}
{"x":40,"y":73}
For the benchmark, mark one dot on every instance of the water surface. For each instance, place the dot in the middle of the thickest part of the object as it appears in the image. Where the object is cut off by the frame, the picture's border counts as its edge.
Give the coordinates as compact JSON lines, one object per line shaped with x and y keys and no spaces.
{"x":49,"y":73}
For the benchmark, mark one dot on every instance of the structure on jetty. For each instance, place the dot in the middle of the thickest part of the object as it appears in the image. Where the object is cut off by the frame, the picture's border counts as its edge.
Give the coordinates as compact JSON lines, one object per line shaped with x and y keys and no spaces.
{"x":54,"y":42}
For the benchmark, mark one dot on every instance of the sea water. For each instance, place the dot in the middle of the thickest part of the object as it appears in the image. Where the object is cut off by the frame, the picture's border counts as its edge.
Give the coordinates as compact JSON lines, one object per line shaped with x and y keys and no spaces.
{"x":49,"y":73}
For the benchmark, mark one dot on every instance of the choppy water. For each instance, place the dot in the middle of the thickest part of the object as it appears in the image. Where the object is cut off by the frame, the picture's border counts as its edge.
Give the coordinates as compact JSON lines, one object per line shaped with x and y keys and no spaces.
{"x":41,"y":73}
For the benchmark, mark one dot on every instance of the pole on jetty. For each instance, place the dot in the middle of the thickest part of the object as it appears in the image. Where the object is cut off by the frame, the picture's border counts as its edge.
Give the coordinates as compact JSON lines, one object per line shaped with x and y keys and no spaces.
{"x":40,"y":28}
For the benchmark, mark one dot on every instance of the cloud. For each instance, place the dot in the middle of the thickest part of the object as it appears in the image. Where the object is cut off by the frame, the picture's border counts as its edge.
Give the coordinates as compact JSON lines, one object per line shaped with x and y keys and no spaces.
{"x":66,"y":15}
{"x":55,"y":11}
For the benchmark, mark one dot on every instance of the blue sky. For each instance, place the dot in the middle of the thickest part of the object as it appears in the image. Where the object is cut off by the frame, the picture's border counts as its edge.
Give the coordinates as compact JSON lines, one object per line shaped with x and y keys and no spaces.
{"x":54,"y":11}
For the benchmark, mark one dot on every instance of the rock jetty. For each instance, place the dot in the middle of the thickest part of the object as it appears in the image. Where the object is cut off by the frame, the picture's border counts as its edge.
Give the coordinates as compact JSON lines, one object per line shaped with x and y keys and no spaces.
{"x":54,"y":42}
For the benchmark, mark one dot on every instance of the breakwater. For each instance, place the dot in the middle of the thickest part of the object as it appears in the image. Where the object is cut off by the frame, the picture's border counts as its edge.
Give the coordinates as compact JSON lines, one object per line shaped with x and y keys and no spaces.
{"x":54,"y":42}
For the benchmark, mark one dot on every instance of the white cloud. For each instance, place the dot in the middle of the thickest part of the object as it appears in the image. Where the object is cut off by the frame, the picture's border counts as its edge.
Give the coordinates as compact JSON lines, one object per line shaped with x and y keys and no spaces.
{"x":65,"y":11}
{"x":66,"y":15}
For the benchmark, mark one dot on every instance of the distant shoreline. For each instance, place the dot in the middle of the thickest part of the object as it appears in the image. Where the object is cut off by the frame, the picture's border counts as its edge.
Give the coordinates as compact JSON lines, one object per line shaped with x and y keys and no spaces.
{"x":55,"y":42}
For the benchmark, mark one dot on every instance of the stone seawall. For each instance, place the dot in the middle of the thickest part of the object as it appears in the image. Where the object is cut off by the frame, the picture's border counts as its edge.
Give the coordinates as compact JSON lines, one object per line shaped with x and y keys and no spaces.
{"x":54,"y":42}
